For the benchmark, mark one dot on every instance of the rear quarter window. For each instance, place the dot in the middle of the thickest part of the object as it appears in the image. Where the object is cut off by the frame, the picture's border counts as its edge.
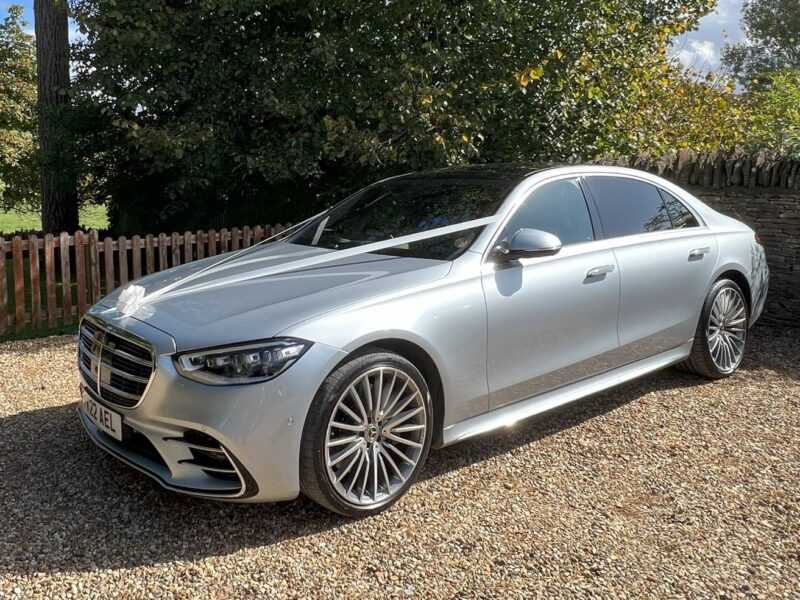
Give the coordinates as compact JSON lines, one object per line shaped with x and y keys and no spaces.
{"x":681,"y":216}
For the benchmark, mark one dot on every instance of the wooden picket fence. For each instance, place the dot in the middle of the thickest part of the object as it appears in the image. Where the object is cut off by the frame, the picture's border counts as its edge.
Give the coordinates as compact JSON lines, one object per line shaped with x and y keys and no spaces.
{"x":48,"y":282}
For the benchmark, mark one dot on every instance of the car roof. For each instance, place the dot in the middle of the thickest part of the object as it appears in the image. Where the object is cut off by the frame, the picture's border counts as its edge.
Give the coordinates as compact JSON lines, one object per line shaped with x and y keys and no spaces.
{"x":496,"y":172}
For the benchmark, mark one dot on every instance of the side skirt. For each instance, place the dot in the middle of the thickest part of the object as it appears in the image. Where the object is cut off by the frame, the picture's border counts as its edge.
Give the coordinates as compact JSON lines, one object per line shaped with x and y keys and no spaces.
{"x":506,"y":416}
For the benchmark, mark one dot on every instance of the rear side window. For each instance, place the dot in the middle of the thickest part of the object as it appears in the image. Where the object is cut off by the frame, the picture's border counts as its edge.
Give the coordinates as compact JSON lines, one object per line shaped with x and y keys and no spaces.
{"x":558,"y":208}
{"x":628,"y":206}
{"x":680,"y":215}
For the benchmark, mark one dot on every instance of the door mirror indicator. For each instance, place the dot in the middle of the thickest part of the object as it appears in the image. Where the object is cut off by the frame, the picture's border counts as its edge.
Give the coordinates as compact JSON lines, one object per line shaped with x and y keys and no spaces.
{"x":527,"y":243}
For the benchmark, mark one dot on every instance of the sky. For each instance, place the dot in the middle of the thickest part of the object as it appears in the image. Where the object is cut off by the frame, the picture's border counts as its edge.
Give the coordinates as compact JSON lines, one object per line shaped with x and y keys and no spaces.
{"x":700,"y":49}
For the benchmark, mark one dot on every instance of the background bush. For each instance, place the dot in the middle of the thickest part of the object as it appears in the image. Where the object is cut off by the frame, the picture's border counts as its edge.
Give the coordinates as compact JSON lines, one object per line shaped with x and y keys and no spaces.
{"x":195,"y":108}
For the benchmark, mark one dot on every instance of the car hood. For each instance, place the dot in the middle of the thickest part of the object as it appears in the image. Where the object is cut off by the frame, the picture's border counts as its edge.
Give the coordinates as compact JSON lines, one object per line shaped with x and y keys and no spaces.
{"x":233,"y":303}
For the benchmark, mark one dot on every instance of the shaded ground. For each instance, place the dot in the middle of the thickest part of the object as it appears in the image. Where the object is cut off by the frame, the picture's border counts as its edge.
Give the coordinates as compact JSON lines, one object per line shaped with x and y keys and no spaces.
{"x":666,"y":486}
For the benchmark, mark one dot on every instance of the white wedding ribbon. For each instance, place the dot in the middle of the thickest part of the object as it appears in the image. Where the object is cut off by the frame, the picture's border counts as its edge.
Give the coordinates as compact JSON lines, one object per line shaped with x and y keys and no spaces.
{"x":297,"y":265}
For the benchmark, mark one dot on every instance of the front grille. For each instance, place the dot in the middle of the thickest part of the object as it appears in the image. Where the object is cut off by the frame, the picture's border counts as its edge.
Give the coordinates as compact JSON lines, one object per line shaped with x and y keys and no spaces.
{"x":117,"y":369}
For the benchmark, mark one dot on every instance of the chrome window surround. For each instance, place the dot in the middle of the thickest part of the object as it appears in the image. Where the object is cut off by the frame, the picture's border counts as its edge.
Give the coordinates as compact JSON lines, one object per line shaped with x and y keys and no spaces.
{"x":526,"y":188}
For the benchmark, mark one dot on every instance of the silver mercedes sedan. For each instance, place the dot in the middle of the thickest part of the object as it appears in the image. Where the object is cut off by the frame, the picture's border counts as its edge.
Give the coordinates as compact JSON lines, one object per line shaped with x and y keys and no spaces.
{"x":423,"y":310}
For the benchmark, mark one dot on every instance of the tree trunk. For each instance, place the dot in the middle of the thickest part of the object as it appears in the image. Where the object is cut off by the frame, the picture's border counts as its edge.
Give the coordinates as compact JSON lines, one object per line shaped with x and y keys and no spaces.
{"x":58,"y":181}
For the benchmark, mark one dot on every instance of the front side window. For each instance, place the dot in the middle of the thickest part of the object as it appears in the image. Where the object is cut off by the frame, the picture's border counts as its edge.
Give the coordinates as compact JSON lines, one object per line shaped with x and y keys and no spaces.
{"x":403,"y":206}
{"x":628,"y":206}
{"x":559,"y":208}
{"x":681,"y":216}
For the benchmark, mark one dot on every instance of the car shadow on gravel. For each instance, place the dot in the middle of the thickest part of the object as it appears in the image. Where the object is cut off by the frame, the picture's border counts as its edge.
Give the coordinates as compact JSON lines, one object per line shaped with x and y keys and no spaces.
{"x":557,"y":420}
{"x":67,"y":506}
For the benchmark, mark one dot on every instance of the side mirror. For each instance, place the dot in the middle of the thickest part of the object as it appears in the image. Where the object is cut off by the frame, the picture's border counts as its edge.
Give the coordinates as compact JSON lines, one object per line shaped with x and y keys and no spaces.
{"x":528,"y":243}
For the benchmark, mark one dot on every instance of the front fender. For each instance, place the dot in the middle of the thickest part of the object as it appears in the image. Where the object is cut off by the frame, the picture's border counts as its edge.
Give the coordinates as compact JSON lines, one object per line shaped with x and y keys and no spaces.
{"x":447,"y":320}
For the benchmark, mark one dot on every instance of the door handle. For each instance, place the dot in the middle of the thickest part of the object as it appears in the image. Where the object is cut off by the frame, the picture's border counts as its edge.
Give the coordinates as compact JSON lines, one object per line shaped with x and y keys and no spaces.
{"x":697,"y":253}
{"x":600,"y":271}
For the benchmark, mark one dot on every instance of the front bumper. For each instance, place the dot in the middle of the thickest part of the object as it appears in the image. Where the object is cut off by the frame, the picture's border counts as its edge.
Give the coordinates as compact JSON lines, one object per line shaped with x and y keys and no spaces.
{"x":251,"y":433}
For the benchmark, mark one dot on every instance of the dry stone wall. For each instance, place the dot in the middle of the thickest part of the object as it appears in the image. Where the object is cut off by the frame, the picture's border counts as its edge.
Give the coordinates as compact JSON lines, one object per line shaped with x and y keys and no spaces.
{"x":762,"y":190}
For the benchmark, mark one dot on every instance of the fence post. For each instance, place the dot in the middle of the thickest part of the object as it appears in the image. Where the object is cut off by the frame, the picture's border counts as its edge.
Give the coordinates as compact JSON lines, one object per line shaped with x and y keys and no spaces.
{"x":136,"y":256}
{"x":122,"y":255}
{"x":212,"y":242}
{"x":258,"y":234}
{"x":80,"y":273}
{"x":36,"y":291}
{"x":50,"y":274}
{"x":108,"y":250}
{"x":19,"y":283}
{"x":223,"y":240}
{"x":148,"y":254}
{"x":162,"y":252}
{"x":235,"y":238}
{"x":94,"y":264}
{"x":187,"y":246}
{"x":66,"y":279}
{"x":200,"y":245}
{"x":176,"y":249}
{"x":246,"y":236}
{"x":3,"y":289}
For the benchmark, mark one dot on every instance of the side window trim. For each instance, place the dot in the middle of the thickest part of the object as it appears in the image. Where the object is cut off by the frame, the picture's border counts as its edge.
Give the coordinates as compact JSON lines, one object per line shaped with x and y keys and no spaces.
{"x":594,"y":213}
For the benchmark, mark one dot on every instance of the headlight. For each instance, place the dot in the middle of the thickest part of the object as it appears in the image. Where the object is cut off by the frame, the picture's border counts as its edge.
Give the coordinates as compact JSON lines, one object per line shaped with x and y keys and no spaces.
{"x":241,"y":364}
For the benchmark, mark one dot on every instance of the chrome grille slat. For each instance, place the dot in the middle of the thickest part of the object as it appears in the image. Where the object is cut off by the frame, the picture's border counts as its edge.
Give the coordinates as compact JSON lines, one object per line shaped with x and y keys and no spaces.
{"x":193,"y":445}
{"x":122,"y":393}
{"x":130,"y":376}
{"x":109,"y":364}
{"x":190,"y":461}
{"x":131,"y":357}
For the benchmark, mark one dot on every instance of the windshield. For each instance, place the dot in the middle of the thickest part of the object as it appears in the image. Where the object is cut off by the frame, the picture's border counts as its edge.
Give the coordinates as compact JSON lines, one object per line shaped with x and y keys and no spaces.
{"x":403,"y":206}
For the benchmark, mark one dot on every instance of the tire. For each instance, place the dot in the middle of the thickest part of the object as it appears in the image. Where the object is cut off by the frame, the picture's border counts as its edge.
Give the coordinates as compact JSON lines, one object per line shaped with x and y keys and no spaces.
{"x":351,"y":456}
{"x":708,"y":356}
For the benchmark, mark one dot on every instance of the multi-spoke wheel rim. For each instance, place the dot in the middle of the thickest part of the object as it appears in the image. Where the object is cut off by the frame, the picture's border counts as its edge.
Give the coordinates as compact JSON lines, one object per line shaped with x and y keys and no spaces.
{"x":375,"y":436}
{"x":727,"y":330}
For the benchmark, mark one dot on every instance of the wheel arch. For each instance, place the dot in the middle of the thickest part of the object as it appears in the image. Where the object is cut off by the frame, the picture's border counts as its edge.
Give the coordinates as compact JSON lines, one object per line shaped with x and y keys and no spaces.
{"x":739,"y":278}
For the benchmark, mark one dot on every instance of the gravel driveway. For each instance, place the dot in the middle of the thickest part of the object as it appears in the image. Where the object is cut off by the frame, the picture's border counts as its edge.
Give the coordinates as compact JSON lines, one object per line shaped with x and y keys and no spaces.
{"x":669,"y":486}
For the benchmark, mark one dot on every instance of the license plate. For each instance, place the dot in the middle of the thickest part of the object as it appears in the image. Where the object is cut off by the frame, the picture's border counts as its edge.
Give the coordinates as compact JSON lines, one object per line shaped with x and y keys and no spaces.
{"x":106,"y":420}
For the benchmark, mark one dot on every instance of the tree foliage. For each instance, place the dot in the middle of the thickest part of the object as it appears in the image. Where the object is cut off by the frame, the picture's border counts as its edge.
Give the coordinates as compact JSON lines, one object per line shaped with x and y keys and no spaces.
{"x":204,"y":104}
{"x":772,"y":29}
{"x":687,"y":110}
{"x":774,"y":113}
{"x":19,"y":183}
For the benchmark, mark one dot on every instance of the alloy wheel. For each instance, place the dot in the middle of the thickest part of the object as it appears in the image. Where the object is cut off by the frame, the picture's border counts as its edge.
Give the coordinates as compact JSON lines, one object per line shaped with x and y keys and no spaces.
{"x":727,"y":330}
{"x":375,"y":436}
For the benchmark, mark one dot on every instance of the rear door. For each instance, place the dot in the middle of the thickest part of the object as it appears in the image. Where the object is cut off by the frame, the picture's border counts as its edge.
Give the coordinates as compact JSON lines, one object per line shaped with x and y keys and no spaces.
{"x":551,"y":320}
{"x":666,"y":258}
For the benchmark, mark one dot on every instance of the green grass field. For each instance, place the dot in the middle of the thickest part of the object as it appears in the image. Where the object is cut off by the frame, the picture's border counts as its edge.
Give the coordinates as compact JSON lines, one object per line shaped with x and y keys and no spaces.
{"x":91,"y":217}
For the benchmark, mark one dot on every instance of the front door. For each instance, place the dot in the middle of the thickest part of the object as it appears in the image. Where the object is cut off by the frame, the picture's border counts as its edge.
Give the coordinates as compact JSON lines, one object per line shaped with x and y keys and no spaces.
{"x":551,"y":320}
